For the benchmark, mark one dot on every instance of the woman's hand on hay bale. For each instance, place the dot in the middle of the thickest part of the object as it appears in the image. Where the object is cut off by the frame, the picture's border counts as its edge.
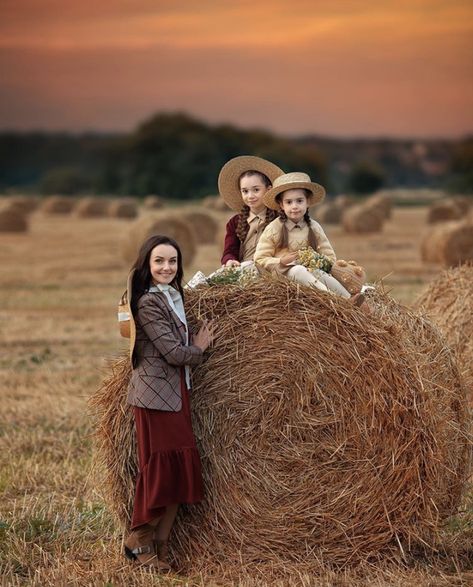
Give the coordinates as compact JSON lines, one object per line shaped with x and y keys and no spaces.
{"x":205,"y":335}
{"x":288,"y":258}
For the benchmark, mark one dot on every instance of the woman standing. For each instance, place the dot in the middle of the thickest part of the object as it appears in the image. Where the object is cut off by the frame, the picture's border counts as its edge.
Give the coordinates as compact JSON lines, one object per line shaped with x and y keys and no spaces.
{"x":162,"y":353}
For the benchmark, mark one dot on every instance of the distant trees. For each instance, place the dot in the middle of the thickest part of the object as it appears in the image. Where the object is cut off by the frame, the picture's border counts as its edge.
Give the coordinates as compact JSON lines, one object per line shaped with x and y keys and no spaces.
{"x":462,"y":167}
{"x":365,"y":178}
{"x":176,"y":156}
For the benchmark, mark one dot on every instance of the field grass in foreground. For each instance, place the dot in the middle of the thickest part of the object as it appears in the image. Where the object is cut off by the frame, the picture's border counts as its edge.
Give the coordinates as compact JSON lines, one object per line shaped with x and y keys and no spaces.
{"x":60,"y":284}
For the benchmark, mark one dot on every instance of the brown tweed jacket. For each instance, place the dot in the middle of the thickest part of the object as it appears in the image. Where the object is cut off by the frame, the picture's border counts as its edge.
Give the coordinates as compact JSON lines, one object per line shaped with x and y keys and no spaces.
{"x":159,"y":353}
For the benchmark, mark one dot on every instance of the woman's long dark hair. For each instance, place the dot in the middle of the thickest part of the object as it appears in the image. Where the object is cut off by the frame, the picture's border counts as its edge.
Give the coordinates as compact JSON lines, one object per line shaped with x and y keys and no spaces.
{"x":142,"y":275}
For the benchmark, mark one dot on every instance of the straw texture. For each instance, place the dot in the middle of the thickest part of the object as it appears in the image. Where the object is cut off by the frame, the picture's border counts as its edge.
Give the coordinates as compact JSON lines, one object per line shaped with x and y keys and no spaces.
{"x":448,"y":301}
{"x":320,"y":431}
{"x":204,"y":224}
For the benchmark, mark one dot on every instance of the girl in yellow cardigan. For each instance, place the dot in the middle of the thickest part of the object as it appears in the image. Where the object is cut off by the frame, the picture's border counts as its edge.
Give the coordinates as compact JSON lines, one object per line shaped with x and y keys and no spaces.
{"x":282,"y":240}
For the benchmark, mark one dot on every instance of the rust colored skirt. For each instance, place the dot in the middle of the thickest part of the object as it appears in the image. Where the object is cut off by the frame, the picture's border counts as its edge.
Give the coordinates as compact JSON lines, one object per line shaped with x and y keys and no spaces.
{"x":170,"y":471}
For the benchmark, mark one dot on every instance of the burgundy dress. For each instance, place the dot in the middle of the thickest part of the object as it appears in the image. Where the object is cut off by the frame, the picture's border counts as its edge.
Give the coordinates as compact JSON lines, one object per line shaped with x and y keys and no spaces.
{"x":170,"y":470}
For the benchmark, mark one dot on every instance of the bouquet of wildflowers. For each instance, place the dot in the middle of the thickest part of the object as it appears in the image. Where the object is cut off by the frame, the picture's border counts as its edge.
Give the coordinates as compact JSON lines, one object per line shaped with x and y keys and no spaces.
{"x":314,"y":260}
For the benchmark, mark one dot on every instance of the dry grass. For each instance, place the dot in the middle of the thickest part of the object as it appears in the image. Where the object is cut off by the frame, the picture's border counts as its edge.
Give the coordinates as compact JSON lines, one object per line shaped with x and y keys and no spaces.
{"x":58,"y":326}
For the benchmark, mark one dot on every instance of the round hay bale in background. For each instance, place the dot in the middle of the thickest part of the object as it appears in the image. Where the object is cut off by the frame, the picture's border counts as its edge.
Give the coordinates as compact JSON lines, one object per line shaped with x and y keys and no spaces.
{"x":327,"y":213}
{"x":449,"y":243}
{"x":362,"y":219}
{"x":204,"y":224}
{"x":443,"y":211}
{"x":334,"y":455}
{"x":462,"y":202}
{"x":343,"y":201}
{"x":123,"y":208}
{"x":23,"y":204}
{"x":92,"y":207}
{"x":448,"y":301}
{"x":215,"y":203}
{"x":153,"y":203}
{"x":381,"y":202}
{"x":165,"y":223}
{"x":11,"y":220}
{"x":58,"y":205}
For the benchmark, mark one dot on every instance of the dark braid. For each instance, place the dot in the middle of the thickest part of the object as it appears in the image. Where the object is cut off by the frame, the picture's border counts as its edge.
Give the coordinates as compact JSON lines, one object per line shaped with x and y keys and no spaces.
{"x":311,"y":238}
{"x":284,"y":238}
{"x":243,"y":227}
{"x":270,"y":216}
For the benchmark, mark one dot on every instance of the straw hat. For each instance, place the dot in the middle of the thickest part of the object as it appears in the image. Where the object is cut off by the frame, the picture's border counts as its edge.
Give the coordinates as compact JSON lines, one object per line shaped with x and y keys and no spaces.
{"x":125,"y":316}
{"x":291,"y":181}
{"x":229,"y":177}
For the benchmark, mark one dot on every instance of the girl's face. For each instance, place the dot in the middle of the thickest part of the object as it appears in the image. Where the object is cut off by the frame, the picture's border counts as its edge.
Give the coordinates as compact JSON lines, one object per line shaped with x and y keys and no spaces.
{"x":252,"y":190}
{"x":163,"y":264}
{"x":294,"y":204}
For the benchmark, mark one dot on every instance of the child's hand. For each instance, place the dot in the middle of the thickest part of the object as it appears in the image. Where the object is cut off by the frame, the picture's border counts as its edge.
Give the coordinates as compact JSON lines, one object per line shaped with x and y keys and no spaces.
{"x":288,"y":258}
{"x":232,"y":263}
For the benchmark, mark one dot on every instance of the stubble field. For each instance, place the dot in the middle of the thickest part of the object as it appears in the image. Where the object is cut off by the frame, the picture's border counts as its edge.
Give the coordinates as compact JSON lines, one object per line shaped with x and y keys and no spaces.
{"x":60,"y":284}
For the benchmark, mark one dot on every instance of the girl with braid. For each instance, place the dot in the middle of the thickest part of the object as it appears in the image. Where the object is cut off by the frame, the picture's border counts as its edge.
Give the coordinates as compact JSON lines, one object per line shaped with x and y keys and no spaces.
{"x":279,"y":246}
{"x":242,"y":183}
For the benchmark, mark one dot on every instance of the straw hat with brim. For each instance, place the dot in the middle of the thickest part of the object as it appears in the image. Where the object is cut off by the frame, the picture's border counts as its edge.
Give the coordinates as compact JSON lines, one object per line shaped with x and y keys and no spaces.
{"x":229,"y":177}
{"x":125,"y":315}
{"x":291,"y":181}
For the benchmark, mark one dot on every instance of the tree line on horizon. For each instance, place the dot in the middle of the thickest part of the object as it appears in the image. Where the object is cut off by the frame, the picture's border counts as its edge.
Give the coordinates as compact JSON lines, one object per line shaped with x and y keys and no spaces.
{"x":177,"y":156}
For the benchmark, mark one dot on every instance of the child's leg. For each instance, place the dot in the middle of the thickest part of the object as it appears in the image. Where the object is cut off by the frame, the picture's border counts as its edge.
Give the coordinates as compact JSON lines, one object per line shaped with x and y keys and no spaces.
{"x":331,"y":283}
{"x":302,"y":275}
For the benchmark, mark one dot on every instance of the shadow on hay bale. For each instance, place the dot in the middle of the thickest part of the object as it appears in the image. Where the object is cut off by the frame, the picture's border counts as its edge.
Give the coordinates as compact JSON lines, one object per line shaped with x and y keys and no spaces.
{"x":165,"y":223}
{"x":13,"y":220}
{"x":58,"y":205}
{"x":448,"y":301}
{"x":204,"y":224}
{"x":448,"y":243}
{"x":319,"y":429}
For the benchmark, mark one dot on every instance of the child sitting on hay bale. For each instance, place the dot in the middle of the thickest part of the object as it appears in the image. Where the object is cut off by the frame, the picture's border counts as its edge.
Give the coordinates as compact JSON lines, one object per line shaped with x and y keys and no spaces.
{"x":162,"y":352}
{"x":294,"y":244}
{"x":242,"y":183}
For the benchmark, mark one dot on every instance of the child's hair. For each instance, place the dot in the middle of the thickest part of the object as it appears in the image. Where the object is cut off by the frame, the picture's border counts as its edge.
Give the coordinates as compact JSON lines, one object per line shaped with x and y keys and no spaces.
{"x":142,"y":275}
{"x":284,"y":237}
{"x":243,"y":227}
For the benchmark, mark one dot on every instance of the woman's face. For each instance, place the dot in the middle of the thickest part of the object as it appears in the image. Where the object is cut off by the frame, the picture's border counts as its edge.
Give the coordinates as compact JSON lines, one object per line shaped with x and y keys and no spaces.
{"x":294,"y":204}
{"x":163,"y":264}
{"x":252,"y":189}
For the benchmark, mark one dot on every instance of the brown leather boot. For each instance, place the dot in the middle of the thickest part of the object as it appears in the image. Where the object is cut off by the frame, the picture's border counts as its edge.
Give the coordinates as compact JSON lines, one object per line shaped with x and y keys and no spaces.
{"x":139,"y":546}
{"x":162,"y":550}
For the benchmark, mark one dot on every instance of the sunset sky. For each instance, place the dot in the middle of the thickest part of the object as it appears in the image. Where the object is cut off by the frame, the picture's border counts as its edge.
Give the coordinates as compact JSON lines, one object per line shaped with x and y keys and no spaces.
{"x":341,"y":68}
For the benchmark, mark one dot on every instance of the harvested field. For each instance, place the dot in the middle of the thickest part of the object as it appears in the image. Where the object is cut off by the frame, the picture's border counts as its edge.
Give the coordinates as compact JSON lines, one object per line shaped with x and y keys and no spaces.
{"x":58,"y":325}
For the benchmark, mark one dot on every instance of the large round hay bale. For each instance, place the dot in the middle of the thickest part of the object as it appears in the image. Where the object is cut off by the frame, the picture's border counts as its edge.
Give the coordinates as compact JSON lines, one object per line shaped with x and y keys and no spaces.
{"x":215,"y":203}
{"x":449,"y":243}
{"x":92,"y":207}
{"x":319,"y":431}
{"x":443,"y":211}
{"x":165,"y":223}
{"x":204,"y":224}
{"x":362,"y":219}
{"x":153,"y":203}
{"x":58,"y":205}
{"x":448,"y":301}
{"x":327,"y":213}
{"x":381,"y":202}
{"x":11,"y":220}
{"x":23,"y":204}
{"x":123,"y":208}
